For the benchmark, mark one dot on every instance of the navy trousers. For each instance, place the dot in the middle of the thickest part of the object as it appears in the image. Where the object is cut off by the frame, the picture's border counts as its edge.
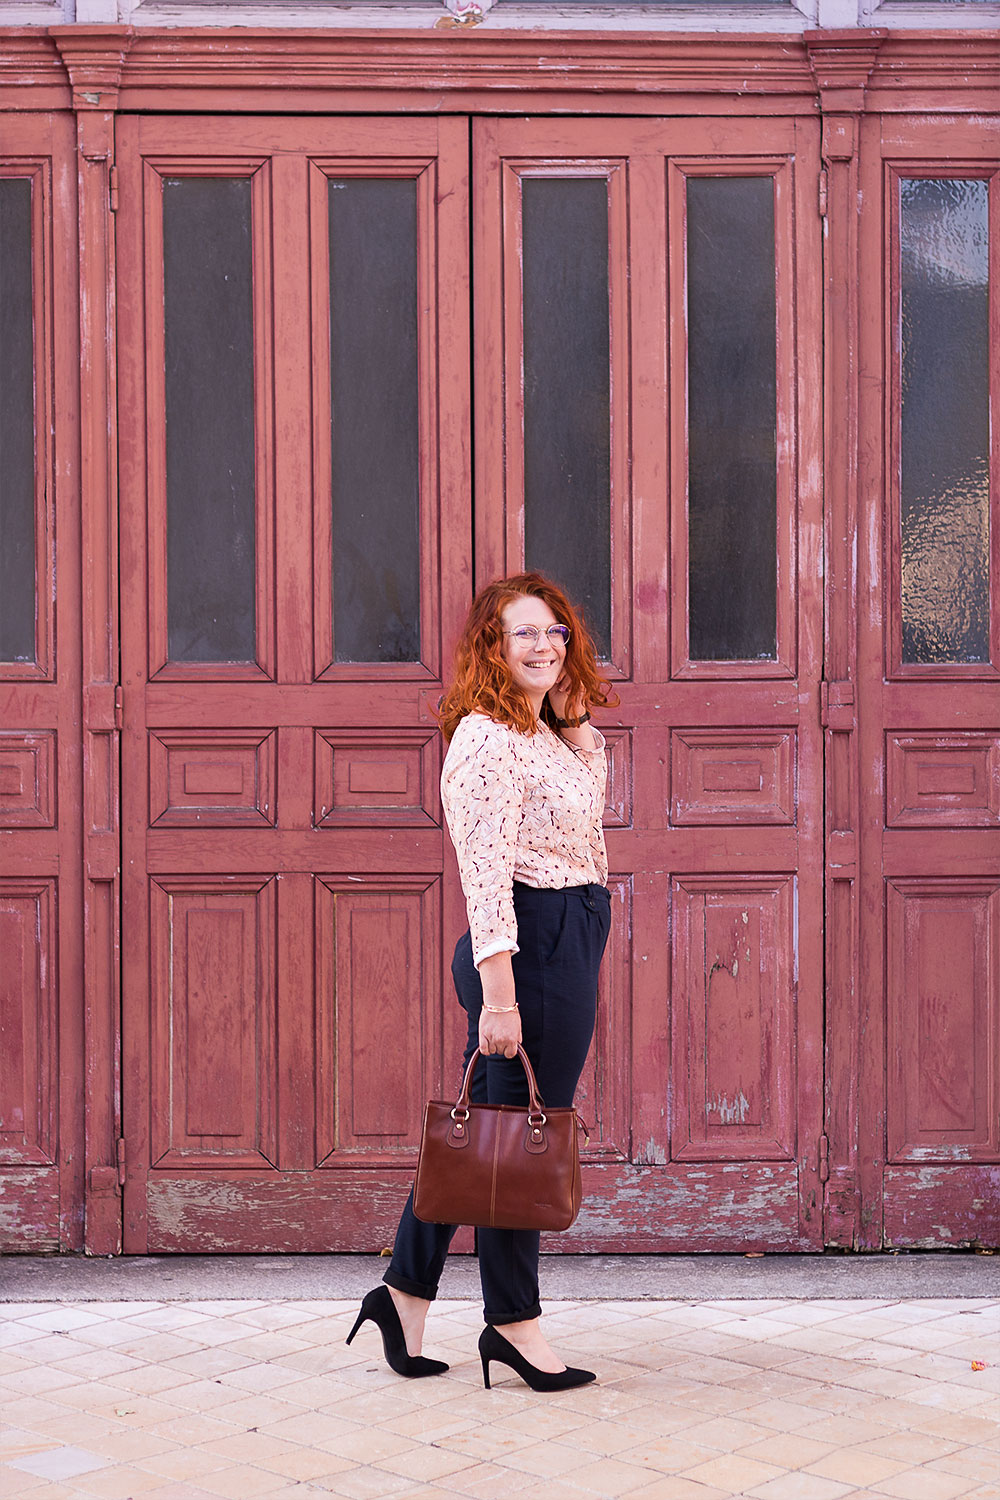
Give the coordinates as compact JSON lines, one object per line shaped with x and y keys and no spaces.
{"x":561,"y":936}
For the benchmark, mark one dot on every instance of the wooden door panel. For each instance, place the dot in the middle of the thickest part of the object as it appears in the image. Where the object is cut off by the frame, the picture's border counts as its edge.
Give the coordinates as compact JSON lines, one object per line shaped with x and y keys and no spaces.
{"x":618,"y":801}
{"x":389,"y":779}
{"x":943,"y":781}
{"x":213,"y":1098}
{"x":212,"y":778}
{"x":720,"y":759}
{"x":944,"y":1028}
{"x":942,"y":1207}
{"x":720,"y":1208}
{"x":283,"y":832}
{"x":734,"y":1062}
{"x":378,"y":968}
{"x":29,"y":1068}
{"x":27,"y":780}
{"x":604,"y":1092}
{"x":731,"y":776}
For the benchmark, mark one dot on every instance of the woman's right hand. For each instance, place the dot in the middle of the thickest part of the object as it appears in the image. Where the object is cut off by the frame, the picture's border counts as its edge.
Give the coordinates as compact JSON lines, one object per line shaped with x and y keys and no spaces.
{"x":500,"y":1034}
{"x":499,"y":1020}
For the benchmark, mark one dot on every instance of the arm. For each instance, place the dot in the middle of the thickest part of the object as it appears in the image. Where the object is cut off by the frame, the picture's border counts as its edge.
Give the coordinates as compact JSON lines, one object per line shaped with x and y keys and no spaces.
{"x":482,"y":791}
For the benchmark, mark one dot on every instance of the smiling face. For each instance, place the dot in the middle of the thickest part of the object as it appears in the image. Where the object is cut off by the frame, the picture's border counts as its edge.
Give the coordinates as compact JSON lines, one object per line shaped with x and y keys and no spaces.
{"x":537,"y":667}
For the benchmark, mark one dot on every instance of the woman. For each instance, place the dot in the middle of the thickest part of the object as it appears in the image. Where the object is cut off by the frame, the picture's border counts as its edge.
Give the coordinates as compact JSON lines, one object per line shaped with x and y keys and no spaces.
{"x":523,"y":792}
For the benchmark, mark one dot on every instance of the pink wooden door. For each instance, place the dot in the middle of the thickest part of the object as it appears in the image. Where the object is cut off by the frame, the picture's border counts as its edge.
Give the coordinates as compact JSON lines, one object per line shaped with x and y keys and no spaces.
{"x":295,"y":565}
{"x":658,"y":340}
{"x":41,"y":784}
{"x":929,"y":700}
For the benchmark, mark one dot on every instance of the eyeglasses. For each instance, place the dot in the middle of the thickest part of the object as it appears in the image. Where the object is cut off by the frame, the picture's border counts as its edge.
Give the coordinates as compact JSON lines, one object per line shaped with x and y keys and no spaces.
{"x":527,"y":635}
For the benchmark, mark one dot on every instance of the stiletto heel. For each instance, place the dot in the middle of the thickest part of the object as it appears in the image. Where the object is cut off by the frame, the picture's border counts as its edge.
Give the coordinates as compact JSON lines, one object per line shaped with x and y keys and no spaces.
{"x":493,"y":1346}
{"x":379,"y":1308}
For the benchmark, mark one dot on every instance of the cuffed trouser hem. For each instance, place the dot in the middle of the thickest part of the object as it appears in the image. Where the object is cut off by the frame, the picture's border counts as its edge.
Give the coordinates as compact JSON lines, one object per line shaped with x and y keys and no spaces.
{"x":412,"y":1288}
{"x":499,"y":1319}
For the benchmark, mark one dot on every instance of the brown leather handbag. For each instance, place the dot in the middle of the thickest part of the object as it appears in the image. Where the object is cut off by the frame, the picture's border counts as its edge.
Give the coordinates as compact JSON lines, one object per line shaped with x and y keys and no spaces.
{"x":498,"y":1166}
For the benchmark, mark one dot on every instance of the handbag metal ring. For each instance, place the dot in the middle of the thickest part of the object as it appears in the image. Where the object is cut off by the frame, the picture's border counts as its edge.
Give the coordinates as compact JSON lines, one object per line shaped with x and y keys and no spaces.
{"x":464,"y":1117}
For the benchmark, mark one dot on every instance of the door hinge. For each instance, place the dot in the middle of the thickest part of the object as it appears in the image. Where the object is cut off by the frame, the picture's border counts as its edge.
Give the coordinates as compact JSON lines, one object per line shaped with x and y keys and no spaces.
{"x":121,"y":1163}
{"x":113,"y":188}
{"x":824,"y":190}
{"x":824,"y":1157}
{"x":119,"y":707}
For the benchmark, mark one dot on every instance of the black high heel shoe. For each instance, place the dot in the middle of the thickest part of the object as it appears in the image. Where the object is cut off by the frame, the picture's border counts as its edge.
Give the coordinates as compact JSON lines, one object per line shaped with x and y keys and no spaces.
{"x":493,"y":1346}
{"x":379,"y":1308}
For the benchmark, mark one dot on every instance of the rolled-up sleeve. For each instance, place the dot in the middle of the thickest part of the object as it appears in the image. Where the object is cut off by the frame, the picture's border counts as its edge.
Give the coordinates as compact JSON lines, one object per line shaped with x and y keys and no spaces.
{"x":482,"y":790}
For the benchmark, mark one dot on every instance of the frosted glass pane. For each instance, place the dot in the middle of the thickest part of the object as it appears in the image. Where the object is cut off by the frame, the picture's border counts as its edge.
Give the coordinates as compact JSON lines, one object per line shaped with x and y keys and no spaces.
{"x":208,"y":313}
{"x":17,"y":426}
{"x":567,"y":390}
{"x":944,"y":419}
{"x":732,"y":417}
{"x":375,"y":419}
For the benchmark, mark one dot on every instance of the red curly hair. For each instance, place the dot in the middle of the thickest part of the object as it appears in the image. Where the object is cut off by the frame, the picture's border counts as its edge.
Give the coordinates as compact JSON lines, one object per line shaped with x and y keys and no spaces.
{"x":482,"y":681}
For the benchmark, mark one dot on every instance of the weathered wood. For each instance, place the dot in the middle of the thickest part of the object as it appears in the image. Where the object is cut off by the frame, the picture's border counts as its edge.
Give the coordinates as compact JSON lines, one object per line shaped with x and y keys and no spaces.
{"x":626,"y":1208}
{"x":29,"y":1210}
{"x":932,"y":1207}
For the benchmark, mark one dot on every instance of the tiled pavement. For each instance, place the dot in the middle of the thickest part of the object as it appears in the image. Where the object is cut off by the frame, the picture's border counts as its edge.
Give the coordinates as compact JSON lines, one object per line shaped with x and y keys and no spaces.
{"x":779,"y":1400}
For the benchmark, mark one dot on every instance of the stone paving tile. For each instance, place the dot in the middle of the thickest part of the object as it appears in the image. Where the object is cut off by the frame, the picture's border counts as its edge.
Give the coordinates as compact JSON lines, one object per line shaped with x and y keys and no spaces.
{"x":183,"y":1464}
{"x":242,"y":1482}
{"x":980,"y":1464}
{"x":799,"y":1487}
{"x":675,"y":1488}
{"x":59,"y":1463}
{"x":733,"y":1472}
{"x":787,"y":1450}
{"x":119,"y":1483}
{"x":923,"y":1484}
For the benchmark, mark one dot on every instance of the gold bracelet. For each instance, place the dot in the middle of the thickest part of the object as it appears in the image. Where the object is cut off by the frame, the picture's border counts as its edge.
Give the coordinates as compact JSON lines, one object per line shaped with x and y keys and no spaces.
{"x":499,"y":1010}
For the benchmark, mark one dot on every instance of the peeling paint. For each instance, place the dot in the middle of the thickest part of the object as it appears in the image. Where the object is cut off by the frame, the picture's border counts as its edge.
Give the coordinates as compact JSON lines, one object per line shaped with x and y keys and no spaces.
{"x":730,"y":1111}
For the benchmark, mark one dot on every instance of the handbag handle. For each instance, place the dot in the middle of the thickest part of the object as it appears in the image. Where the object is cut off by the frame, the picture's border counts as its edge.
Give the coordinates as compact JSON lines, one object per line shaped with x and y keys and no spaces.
{"x":535,"y":1111}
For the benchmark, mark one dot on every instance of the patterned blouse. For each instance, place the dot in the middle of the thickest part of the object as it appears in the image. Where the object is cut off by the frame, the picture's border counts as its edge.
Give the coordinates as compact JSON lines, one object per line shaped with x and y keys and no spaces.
{"x":524,"y":807}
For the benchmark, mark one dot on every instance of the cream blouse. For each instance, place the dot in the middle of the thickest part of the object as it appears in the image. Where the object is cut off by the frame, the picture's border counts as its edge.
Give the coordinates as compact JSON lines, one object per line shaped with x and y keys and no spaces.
{"x":524,"y":807}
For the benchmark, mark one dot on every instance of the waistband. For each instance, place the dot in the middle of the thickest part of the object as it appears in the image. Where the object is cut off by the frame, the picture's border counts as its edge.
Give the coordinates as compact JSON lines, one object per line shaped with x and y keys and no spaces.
{"x":588,"y":892}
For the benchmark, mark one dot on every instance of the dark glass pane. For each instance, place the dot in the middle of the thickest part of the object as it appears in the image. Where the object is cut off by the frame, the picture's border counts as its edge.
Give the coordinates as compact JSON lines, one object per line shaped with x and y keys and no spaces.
{"x":208,"y":313}
{"x":944,"y":419}
{"x":732,"y":415}
{"x":374,"y":398}
{"x":17,"y":425}
{"x":567,"y":390}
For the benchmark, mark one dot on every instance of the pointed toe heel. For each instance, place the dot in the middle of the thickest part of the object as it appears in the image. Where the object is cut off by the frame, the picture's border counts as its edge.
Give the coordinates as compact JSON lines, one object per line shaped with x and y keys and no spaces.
{"x":379,"y":1308}
{"x":493,"y":1347}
